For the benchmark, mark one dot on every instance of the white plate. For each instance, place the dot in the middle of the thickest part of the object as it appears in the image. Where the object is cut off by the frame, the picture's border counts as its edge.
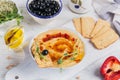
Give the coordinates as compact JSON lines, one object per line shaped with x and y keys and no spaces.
{"x":29,"y":70}
{"x":62,"y":28}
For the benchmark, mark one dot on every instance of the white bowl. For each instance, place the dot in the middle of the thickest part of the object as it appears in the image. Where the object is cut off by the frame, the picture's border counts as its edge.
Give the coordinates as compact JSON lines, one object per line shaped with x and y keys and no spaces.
{"x":42,"y":19}
{"x":76,"y":33}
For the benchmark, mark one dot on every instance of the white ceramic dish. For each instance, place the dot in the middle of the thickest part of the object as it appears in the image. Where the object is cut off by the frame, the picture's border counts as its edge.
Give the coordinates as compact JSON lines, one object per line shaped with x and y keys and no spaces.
{"x":10,"y":28}
{"x":76,"y":33}
{"x":40,"y":19}
{"x":78,"y":9}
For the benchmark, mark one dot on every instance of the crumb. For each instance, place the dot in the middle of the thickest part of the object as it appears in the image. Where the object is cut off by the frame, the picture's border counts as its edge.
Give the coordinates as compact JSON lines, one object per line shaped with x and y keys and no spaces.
{"x":9,"y":57}
{"x":10,"y":66}
{"x":77,"y":78}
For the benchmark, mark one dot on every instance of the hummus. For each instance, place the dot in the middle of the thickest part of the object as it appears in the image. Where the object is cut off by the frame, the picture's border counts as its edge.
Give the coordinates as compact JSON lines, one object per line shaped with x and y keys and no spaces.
{"x":64,"y":48}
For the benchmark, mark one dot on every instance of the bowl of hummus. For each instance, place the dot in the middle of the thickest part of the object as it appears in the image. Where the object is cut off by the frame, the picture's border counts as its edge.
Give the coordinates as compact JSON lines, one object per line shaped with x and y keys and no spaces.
{"x":57,"y":48}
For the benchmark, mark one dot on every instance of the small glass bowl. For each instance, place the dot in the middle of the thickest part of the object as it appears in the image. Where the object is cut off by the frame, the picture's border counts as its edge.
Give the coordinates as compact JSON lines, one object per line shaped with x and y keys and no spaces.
{"x":16,"y":40}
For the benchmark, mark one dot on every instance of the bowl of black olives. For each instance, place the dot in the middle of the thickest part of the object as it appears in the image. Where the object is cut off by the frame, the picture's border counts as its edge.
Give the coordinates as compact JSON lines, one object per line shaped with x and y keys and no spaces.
{"x":44,"y":11}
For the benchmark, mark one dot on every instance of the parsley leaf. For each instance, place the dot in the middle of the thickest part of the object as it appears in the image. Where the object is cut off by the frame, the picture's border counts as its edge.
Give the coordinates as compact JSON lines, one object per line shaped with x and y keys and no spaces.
{"x":66,"y":54}
{"x":37,"y":49}
{"x":75,"y":54}
{"x":41,"y":56}
{"x":60,"y":61}
{"x":72,"y":58}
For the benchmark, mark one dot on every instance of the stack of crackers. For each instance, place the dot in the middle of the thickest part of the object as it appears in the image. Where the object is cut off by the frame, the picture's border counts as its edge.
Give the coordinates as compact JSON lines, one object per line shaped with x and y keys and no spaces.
{"x":99,"y":32}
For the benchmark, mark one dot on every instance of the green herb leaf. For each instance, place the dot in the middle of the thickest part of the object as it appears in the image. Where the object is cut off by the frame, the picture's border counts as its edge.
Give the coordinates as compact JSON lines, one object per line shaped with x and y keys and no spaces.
{"x":41,"y":56}
{"x":37,"y":49}
{"x":75,"y":54}
{"x":60,"y":61}
{"x":72,"y":58}
{"x":66,"y":54}
{"x":18,"y":19}
{"x":9,"y":11}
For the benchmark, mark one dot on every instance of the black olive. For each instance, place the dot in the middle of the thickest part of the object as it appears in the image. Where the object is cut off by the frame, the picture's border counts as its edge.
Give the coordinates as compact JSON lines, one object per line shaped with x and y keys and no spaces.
{"x":31,"y":7}
{"x":54,"y":12}
{"x":44,"y":7}
{"x":35,"y":0}
{"x":49,"y":14}
{"x":42,"y":4}
{"x":40,"y":7}
{"x":47,"y":4}
{"x":53,"y":2}
{"x":39,"y":13}
{"x":43,"y":14}
{"x":32,"y":2}
{"x":39,"y":3}
{"x":47,"y":1}
{"x":51,"y":6}
{"x":48,"y":10}
{"x":35,"y":6}
{"x":35,"y":12}
{"x":45,"y":52}
{"x":39,"y":0}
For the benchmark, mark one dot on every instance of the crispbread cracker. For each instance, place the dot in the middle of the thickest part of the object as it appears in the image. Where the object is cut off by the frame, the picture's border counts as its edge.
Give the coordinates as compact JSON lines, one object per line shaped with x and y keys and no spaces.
{"x":105,"y":40}
{"x":77,"y":24}
{"x":88,"y":24}
{"x":98,"y":26}
{"x":102,"y":31}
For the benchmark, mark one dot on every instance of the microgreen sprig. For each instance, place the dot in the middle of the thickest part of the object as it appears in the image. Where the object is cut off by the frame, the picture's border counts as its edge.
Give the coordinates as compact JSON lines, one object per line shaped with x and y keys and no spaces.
{"x":60,"y":61}
{"x":9,"y":11}
{"x":38,"y":51}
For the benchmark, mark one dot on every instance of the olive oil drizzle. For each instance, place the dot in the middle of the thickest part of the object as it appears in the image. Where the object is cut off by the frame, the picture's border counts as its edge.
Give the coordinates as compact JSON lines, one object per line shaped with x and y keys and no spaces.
{"x":10,"y":37}
{"x":75,"y":52}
